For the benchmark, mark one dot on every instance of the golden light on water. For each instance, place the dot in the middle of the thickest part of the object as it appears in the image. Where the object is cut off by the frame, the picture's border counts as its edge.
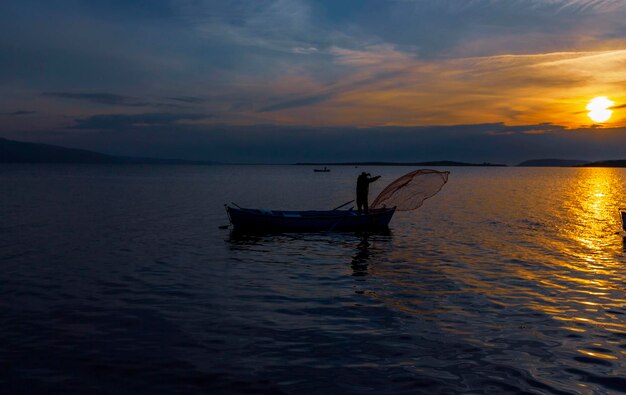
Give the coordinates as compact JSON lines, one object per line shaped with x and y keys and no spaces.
{"x":597,"y":354}
{"x":599,"y":109}
{"x":593,"y":211}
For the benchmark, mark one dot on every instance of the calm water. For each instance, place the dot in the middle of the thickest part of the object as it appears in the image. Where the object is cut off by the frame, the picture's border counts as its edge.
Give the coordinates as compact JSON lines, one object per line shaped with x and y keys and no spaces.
{"x":117,"y":279}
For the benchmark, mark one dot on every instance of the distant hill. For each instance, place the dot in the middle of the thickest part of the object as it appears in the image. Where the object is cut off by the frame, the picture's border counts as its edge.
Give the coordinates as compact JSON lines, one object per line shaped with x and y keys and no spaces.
{"x":552,"y":163}
{"x":436,"y":163}
{"x":12,"y":151}
{"x":606,"y":163}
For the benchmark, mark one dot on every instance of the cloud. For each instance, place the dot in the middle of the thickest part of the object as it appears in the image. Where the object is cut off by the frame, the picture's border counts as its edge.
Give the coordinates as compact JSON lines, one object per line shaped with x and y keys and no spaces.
{"x":277,"y":25}
{"x":305,"y":51}
{"x":187,"y":99}
{"x":373,"y":55}
{"x":111,"y":99}
{"x":119,"y":122}
{"x":452,"y":28}
{"x":576,"y":7}
{"x":501,"y":129}
{"x":20,"y":113}
{"x":100,"y":98}
{"x":299,"y":102}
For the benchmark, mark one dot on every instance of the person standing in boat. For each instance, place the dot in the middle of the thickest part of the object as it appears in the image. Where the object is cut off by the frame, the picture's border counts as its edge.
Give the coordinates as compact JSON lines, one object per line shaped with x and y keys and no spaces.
{"x":362,"y":191}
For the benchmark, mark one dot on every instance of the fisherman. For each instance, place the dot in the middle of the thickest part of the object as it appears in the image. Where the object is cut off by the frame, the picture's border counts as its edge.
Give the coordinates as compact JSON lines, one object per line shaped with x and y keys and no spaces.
{"x":362,"y":191}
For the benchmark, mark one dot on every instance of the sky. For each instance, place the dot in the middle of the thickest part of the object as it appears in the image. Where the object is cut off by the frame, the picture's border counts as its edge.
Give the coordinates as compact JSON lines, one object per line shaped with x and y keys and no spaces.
{"x":284,"y":81}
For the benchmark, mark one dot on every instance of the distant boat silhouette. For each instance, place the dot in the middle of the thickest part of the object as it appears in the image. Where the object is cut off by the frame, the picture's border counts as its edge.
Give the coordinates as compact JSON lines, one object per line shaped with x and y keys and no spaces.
{"x":324,"y":170}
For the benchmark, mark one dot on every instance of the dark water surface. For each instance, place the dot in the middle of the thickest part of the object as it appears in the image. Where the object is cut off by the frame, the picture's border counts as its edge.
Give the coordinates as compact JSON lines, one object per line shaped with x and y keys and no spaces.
{"x":116,"y":279}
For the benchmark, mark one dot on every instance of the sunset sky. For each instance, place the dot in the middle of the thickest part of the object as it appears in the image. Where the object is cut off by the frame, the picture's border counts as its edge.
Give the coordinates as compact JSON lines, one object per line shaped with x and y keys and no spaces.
{"x":328,"y":80}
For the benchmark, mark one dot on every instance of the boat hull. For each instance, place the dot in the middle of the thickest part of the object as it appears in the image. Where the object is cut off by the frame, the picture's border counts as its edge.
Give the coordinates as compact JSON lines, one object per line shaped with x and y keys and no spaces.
{"x":308,"y":221}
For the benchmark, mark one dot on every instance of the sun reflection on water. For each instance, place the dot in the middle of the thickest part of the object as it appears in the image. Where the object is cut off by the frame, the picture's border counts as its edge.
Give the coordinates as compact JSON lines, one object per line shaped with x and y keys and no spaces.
{"x":592,"y":212}
{"x":548,"y":244}
{"x":586,"y":270}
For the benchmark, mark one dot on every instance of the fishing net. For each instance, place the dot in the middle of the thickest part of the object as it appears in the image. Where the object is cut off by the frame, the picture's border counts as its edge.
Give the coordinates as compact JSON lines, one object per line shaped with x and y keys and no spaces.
{"x":409,"y":191}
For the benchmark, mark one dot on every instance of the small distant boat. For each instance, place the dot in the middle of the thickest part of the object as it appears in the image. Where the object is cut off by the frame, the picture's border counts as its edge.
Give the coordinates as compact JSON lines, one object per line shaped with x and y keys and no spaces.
{"x":308,"y":221}
{"x":324,"y":170}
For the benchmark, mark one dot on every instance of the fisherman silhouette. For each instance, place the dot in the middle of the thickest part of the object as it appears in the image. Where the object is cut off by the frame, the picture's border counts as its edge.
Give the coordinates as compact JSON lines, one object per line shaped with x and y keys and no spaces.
{"x":362,"y":191}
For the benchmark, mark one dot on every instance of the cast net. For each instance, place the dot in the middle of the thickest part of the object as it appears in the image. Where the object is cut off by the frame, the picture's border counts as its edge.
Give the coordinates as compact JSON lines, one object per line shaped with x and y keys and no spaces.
{"x":409,"y":191}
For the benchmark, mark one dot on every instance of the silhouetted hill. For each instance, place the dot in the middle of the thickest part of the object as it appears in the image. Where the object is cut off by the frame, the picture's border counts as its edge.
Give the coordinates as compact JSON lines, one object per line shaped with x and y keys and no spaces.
{"x":436,"y":163}
{"x":552,"y":163}
{"x":12,"y":151}
{"x":606,"y":163}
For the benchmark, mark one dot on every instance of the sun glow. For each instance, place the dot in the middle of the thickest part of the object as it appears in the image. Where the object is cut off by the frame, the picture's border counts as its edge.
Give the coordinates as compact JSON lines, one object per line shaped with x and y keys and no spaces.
{"x":599,"y":109}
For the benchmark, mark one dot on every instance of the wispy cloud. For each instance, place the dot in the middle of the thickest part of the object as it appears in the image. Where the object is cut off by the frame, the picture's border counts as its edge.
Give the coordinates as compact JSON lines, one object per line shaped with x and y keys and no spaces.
{"x":580,"y":6}
{"x":386,"y":56}
{"x":111,"y":99}
{"x":299,"y":102}
{"x":187,"y":99}
{"x":280,"y":25}
{"x":125,"y":121}
{"x":20,"y":113}
{"x":100,"y":98}
{"x":556,"y":6}
{"x":508,"y":130}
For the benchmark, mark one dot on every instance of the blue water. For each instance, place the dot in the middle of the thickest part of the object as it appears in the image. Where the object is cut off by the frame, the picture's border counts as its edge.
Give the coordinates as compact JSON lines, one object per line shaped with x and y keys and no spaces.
{"x":117,"y":279}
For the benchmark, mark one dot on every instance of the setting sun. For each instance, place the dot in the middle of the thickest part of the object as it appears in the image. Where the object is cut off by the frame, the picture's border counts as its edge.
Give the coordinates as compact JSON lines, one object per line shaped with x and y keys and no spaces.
{"x":599,"y":109}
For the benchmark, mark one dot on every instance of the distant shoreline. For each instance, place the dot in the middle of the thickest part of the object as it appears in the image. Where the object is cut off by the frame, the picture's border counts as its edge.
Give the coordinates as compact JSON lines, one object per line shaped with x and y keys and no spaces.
{"x":16,"y":152}
{"x":432,"y":163}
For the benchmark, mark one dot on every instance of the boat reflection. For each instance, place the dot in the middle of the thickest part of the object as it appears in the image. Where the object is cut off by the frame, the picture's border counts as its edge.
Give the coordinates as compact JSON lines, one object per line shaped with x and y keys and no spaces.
{"x":360,"y":260}
{"x":250,"y":237}
{"x":359,"y":248}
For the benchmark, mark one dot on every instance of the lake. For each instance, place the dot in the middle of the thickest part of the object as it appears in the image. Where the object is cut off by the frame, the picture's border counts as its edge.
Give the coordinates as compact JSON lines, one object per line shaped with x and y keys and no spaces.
{"x":118,"y":279}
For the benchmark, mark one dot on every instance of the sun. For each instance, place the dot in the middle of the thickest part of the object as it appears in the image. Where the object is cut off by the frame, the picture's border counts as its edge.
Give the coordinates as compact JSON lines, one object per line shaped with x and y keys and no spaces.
{"x":599,"y":109}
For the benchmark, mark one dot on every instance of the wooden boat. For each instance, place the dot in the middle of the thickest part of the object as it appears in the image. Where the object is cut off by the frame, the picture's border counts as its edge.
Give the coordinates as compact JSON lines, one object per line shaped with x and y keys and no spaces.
{"x":308,"y":221}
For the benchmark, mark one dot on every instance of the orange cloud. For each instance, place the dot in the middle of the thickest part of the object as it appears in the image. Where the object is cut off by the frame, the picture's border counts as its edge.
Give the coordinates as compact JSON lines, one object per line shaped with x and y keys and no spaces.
{"x":382,"y":85}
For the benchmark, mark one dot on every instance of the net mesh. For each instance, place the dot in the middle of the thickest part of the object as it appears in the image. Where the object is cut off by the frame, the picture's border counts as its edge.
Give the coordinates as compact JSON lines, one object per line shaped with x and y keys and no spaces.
{"x":409,"y":191}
